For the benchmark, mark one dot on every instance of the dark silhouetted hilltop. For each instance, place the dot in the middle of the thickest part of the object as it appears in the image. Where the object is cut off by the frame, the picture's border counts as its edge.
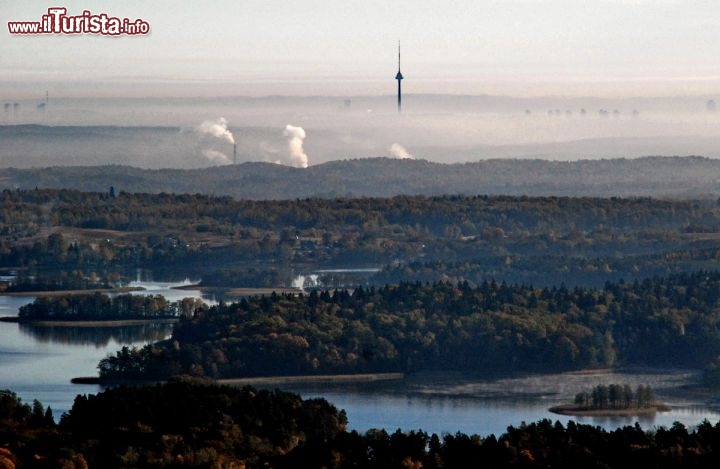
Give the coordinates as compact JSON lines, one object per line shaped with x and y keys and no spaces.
{"x":691,"y":176}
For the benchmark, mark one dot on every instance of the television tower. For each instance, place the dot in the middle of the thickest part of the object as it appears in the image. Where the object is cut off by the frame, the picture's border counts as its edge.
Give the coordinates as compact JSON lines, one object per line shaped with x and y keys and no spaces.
{"x":399,"y":78}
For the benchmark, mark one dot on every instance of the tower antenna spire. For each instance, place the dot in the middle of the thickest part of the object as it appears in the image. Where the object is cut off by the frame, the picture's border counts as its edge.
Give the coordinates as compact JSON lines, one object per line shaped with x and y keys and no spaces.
{"x":399,"y":77}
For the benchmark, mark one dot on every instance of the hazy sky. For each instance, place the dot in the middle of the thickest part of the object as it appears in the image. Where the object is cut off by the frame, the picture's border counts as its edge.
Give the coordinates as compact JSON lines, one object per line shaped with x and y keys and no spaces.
{"x":348,"y":47}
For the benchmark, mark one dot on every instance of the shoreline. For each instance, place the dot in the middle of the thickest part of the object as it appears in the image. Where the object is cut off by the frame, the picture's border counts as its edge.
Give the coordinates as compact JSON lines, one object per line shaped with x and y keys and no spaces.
{"x":579,"y":411}
{"x":302,"y":379}
{"x":50,"y":293}
{"x":239,"y":291}
{"x":88,"y":323}
{"x":270,"y":380}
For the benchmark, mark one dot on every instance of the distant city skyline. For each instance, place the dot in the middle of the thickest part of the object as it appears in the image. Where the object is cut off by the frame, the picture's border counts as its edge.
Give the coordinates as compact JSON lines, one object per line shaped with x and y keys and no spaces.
{"x":314,"y":47}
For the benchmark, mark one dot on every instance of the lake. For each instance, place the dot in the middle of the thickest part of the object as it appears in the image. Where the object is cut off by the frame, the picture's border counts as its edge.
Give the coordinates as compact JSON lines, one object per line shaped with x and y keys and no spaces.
{"x":38,"y":363}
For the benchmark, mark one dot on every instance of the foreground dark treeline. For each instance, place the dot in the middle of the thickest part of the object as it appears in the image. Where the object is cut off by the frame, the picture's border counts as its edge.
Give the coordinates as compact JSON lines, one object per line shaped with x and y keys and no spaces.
{"x":175,"y":425}
{"x":495,"y":327}
{"x":207,"y":426}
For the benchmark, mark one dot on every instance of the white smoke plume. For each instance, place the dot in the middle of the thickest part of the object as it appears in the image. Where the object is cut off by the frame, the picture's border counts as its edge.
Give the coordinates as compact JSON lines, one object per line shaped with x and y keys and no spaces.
{"x":295,"y":136}
{"x":216,"y":156}
{"x":399,"y":151}
{"x":217,"y":128}
{"x":209,"y":131}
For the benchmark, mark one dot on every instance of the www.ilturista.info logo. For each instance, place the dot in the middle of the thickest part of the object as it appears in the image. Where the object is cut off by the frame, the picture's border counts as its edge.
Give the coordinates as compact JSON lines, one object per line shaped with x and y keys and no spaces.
{"x":57,"y":21}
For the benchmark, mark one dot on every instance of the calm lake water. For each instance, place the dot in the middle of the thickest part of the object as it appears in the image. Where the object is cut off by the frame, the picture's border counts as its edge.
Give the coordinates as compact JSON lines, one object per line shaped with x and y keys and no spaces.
{"x":38,"y":363}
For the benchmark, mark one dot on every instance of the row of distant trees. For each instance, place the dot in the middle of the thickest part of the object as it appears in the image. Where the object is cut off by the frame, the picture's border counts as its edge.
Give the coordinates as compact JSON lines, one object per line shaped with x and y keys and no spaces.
{"x":616,"y":396}
{"x":519,"y":239}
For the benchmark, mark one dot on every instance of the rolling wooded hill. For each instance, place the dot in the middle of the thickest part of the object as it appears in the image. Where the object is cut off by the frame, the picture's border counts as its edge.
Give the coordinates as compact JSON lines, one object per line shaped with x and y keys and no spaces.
{"x":383,"y":177}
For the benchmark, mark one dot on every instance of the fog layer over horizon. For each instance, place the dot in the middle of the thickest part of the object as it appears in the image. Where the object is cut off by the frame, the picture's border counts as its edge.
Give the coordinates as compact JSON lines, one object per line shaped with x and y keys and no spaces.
{"x":301,"y":131}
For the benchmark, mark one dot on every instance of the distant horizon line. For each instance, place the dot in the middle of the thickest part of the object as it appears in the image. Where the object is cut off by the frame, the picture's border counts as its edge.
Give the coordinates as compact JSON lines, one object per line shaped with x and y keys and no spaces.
{"x":42,"y":96}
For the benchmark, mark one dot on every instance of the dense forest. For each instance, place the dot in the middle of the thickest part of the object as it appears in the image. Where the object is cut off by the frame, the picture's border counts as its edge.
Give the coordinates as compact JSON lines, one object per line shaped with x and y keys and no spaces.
{"x":492,"y":328}
{"x":62,"y":239}
{"x":184,"y":424}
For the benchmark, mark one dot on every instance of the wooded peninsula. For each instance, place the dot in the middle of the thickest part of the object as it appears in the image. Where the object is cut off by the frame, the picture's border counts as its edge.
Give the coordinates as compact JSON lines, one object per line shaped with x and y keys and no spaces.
{"x":492,"y":328}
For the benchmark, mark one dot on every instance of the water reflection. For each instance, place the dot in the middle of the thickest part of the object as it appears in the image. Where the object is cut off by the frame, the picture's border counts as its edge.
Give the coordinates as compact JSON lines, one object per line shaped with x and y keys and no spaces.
{"x":333,"y":278}
{"x":10,"y":305}
{"x":173,"y":291}
{"x":446,"y":403}
{"x":97,"y":336}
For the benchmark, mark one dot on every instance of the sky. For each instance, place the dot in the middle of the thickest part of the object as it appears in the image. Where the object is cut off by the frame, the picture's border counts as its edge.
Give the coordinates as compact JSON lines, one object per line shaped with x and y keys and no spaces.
{"x":349,"y":47}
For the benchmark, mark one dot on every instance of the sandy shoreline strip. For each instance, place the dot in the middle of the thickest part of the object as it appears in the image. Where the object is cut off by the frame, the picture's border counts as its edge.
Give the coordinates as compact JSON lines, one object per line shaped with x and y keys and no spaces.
{"x":230,"y":291}
{"x":50,"y":293}
{"x":275,"y":380}
{"x":73,"y":323}
{"x":352,"y":378}
{"x":239,"y":291}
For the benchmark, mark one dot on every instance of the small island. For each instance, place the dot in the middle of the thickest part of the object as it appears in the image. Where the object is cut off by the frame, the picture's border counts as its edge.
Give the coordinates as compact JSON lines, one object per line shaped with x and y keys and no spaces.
{"x":613,"y":400}
{"x":98,"y":309}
